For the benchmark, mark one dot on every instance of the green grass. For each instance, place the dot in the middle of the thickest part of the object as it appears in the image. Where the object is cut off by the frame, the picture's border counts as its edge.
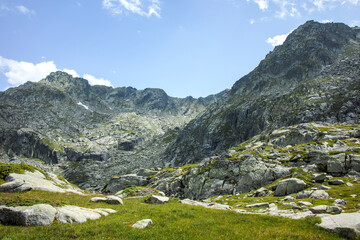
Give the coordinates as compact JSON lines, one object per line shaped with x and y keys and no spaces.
{"x":6,"y":169}
{"x":171,"y":221}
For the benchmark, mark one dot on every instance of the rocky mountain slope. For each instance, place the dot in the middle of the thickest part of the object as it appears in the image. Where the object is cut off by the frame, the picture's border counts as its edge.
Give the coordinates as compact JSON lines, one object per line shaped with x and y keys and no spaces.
{"x":313,"y":76}
{"x":91,"y":132}
{"x":310,"y":147}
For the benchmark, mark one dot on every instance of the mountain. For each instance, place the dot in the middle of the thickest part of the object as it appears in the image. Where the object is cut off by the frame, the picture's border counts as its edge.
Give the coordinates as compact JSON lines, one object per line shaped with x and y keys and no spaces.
{"x":92,"y":132}
{"x":312,"y":76}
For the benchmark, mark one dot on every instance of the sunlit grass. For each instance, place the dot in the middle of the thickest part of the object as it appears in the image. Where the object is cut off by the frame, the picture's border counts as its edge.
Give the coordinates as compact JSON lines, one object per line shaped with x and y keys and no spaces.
{"x":171,"y":221}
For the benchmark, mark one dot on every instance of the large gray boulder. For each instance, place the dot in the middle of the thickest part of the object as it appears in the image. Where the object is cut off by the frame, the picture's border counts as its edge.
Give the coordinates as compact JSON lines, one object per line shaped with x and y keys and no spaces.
{"x":117,"y":184}
{"x":154,"y":199}
{"x":114,"y":200}
{"x":37,"y":215}
{"x":15,"y":186}
{"x":289,"y":186}
{"x":325,"y":209}
{"x":319,"y":194}
{"x":75,"y":214}
{"x":346,"y":224}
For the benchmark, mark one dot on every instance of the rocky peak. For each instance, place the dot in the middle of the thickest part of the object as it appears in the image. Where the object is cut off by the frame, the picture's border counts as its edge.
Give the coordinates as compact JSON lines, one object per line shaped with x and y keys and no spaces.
{"x":304,"y":54}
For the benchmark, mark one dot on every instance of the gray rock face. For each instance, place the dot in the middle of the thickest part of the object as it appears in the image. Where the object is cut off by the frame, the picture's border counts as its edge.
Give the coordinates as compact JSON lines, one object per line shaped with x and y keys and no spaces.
{"x":142,"y":223}
{"x":336,"y":182}
{"x":217,"y":176}
{"x":289,"y":186}
{"x":346,"y":224}
{"x":304,"y":194}
{"x":117,"y":184}
{"x":37,"y":215}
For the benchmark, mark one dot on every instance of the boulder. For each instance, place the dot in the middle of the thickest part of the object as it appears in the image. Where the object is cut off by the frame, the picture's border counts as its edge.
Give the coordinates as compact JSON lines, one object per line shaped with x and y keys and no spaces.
{"x":319,"y":178}
{"x":114,"y":200}
{"x":325,"y":209}
{"x":289,"y":186}
{"x":15,"y":186}
{"x":261,"y":192}
{"x":319,"y":194}
{"x":142,"y":223}
{"x":119,"y":183}
{"x":323,"y":187}
{"x":265,"y":204}
{"x":346,"y":224}
{"x":36,"y":215}
{"x":304,"y":194}
{"x":75,"y":214}
{"x":155,"y":199}
{"x":304,"y":203}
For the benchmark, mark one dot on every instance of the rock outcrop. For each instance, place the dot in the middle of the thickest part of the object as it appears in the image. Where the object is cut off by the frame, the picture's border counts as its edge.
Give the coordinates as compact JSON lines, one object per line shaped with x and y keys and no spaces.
{"x":44,"y":214}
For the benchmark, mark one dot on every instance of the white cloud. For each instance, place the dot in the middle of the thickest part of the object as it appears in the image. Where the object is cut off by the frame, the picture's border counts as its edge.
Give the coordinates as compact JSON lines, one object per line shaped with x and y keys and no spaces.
{"x":293,"y":8}
{"x":326,"y":21}
{"x":20,"y":72}
{"x":252,"y":21}
{"x":71,"y":72}
{"x":97,"y":81}
{"x":278,"y":39}
{"x":263,"y":4}
{"x":145,"y":8}
{"x":24,"y":10}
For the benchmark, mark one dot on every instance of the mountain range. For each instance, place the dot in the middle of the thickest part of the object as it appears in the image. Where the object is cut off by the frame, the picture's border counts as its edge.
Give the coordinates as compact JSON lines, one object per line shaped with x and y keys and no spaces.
{"x":89,"y":134}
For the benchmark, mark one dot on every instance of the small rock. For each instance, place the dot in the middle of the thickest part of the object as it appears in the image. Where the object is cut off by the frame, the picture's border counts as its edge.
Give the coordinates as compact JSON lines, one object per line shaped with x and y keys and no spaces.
{"x":289,"y":198}
{"x":340,"y":202}
{"x":323,"y":187}
{"x":336,"y":182}
{"x":265,"y":204}
{"x":349,"y":184}
{"x":239,"y":205}
{"x":154,"y":199}
{"x":142,"y":223}
{"x":303,"y":203}
{"x":353,"y":195}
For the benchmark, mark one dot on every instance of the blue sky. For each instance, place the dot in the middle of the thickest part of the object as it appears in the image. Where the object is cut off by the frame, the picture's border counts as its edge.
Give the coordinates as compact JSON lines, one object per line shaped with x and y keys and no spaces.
{"x":186,"y":47}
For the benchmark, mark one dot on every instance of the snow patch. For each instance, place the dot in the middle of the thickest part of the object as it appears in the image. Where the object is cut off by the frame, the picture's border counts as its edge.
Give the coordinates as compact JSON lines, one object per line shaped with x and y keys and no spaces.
{"x":83,"y":105}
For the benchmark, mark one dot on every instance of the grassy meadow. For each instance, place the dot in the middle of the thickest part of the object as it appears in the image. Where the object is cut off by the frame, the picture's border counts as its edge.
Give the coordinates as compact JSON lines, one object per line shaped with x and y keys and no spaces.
{"x":171,"y":221}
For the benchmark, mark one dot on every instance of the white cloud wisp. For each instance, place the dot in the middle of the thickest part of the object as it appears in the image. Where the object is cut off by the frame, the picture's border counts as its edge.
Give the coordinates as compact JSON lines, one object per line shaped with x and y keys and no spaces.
{"x":294,"y":8}
{"x":19,"y":72}
{"x":278,"y":39}
{"x":145,"y":8}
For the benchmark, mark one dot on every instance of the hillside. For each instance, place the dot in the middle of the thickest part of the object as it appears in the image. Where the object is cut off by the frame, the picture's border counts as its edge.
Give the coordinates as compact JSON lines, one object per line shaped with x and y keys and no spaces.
{"x":312,"y":76}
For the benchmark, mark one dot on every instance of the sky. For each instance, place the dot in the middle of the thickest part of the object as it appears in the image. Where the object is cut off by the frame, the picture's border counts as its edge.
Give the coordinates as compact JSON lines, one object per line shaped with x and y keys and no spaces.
{"x":186,"y":47}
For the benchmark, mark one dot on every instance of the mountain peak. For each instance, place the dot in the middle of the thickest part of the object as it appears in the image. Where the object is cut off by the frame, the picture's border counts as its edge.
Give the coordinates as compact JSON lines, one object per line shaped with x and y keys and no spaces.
{"x":64,"y":80}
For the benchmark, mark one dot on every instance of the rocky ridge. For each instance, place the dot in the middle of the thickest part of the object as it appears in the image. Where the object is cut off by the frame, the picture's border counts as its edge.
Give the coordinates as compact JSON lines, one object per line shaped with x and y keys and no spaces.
{"x":90,"y":133}
{"x":317,"y":148}
{"x":312,"y":76}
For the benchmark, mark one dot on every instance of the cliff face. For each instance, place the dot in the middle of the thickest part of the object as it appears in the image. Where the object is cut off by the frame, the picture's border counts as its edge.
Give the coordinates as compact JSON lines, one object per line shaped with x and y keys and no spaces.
{"x":313,"y":76}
